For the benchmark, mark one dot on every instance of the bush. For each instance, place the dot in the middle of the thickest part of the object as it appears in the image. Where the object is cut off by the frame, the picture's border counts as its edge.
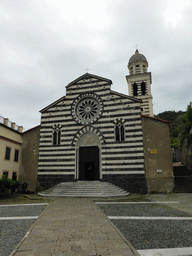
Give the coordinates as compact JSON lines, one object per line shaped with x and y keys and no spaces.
{"x":8,"y":184}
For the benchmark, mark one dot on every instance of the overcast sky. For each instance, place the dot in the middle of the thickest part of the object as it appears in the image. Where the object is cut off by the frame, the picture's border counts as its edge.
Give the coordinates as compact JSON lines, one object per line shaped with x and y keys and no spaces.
{"x":46,"y":44}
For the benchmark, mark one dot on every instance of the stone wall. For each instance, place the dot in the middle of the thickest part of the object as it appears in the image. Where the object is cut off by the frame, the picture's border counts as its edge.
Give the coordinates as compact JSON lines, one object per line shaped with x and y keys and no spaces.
{"x":46,"y":182}
{"x":157,"y":154}
{"x":131,"y":183}
{"x":29,"y":158}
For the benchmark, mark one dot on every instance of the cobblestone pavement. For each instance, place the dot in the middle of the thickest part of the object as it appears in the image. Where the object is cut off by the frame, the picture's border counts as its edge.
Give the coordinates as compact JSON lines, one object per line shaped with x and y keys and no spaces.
{"x":12,"y":230}
{"x":184,"y":199}
{"x":74,"y":226}
{"x":173,"y":231}
{"x":56,"y":229}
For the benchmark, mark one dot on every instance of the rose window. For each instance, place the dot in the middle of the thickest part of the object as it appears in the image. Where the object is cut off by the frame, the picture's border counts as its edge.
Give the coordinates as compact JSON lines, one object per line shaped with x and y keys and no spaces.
{"x":87,"y":108}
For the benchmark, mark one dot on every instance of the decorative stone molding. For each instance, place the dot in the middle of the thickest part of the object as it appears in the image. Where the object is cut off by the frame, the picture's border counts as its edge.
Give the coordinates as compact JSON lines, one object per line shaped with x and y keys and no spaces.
{"x":87,"y":108}
{"x":88,"y":129}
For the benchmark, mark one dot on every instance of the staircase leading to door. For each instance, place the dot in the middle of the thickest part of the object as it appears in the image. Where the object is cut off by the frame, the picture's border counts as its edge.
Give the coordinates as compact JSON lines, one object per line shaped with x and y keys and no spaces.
{"x":84,"y":189}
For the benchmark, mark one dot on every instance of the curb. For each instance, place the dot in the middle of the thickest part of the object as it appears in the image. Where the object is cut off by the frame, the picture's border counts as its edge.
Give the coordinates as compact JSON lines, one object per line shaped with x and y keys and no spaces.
{"x":133,"y":250}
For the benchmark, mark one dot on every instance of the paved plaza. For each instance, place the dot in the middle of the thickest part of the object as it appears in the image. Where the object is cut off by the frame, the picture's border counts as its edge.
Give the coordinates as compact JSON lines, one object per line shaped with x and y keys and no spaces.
{"x":77,"y":226}
{"x":74,"y":226}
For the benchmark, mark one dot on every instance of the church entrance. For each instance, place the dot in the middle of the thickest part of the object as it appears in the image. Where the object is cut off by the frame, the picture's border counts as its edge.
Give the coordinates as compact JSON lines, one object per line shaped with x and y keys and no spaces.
{"x":89,"y":163}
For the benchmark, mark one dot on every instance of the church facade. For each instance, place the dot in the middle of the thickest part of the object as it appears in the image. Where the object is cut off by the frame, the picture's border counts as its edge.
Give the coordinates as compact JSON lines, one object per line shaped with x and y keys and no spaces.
{"x":94,"y":133}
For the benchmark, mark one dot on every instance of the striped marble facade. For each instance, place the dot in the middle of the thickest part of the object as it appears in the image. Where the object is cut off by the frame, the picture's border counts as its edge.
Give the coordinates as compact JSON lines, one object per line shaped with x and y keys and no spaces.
{"x":62,"y":130}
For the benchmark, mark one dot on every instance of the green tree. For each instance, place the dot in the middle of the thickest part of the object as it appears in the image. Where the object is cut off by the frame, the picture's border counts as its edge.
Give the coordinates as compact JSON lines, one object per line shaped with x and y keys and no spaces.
{"x":185,"y":133}
{"x":177,"y":120}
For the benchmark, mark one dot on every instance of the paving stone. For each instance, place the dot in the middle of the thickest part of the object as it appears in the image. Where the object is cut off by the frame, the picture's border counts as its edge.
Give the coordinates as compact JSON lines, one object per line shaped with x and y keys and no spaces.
{"x":74,"y":226}
{"x":25,"y":253}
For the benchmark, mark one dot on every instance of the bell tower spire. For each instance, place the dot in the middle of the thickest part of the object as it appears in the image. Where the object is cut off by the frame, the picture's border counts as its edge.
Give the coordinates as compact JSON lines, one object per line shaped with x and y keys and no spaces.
{"x":139,"y":81}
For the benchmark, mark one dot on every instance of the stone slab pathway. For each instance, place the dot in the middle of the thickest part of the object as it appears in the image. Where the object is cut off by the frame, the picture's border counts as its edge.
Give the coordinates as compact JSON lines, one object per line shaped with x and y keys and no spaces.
{"x":74,"y":226}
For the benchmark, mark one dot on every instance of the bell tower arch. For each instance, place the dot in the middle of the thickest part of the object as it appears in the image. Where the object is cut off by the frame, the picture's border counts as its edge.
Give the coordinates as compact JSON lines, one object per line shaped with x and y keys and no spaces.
{"x":139,"y":82}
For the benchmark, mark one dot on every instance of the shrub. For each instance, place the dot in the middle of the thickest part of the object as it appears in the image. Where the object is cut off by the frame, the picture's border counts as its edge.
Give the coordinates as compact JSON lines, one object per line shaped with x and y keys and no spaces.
{"x":7,"y":184}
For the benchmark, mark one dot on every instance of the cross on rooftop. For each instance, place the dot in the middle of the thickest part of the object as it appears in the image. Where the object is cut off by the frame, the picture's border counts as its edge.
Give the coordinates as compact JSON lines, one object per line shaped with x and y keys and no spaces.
{"x":136,"y":46}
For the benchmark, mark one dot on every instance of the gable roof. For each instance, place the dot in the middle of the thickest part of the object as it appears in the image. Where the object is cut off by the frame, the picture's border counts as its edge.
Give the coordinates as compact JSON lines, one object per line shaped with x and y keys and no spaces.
{"x":52,"y":104}
{"x":126,"y":96}
{"x":33,"y":128}
{"x":89,"y":76}
{"x":157,"y":119}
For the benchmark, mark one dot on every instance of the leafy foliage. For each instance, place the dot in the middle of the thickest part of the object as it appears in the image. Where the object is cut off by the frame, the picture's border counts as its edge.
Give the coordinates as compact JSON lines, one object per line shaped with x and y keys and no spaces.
{"x":185,"y":133}
{"x":181,"y":123}
{"x":7,"y":184}
{"x":170,"y":115}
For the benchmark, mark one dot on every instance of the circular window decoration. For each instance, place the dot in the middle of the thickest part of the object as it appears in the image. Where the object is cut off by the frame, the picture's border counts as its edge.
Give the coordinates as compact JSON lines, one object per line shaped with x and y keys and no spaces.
{"x":87,"y":108}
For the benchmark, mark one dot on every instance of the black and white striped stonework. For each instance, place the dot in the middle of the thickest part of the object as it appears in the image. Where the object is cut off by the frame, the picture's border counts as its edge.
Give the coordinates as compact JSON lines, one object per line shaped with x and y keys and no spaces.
{"x":124,"y":157}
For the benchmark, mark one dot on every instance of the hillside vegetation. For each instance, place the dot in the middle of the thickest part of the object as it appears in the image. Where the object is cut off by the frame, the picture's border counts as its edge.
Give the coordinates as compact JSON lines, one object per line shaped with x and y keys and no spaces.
{"x":180,"y":126}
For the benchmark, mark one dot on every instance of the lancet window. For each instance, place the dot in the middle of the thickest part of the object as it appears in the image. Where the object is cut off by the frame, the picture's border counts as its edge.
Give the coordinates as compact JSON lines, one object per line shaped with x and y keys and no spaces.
{"x":135,"y":89}
{"x":143,"y":88}
{"x":56,"y":135}
{"x":119,"y":131}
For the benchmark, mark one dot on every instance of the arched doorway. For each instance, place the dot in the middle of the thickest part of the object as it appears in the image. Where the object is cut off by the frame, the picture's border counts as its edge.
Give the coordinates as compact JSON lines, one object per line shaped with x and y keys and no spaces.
{"x":88,"y":160}
{"x":89,"y":163}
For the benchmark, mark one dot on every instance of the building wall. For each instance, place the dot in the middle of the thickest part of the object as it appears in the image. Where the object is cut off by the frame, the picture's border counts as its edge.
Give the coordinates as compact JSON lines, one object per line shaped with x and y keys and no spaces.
{"x":29,"y":158}
{"x":157,"y":153}
{"x":12,"y":139}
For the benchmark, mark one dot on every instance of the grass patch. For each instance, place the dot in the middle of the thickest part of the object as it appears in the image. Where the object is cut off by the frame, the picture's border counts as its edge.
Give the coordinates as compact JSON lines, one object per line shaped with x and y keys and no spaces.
{"x":22,"y":199}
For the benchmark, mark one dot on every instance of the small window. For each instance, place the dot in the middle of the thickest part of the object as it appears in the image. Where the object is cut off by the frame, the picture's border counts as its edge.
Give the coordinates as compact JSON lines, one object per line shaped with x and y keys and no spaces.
{"x":135,"y":89}
{"x":56,"y":135}
{"x":7,"y":153}
{"x":122,"y":132}
{"x":55,"y":138}
{"x":14,"y":176}
{"x":5,"y":173}
{"x":59,"y":137}
{"x":16,"y":157}
{"x":143,"y":88}
{"x":119,"y":132}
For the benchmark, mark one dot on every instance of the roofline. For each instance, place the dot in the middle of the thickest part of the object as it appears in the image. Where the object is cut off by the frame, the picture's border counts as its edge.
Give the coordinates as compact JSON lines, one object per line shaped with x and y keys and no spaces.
{"x":79,"y":78}
{"x":4,"y":125}
{"x":127,"y":96}
{"x":52,"y":104}
{"x":155,"y":118}
{"x":31,"y":129}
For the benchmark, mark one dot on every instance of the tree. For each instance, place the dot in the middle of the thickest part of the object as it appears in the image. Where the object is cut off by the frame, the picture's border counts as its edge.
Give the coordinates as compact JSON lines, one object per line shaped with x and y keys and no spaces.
{"x":177,"y":120}
{"x":185,"y":133}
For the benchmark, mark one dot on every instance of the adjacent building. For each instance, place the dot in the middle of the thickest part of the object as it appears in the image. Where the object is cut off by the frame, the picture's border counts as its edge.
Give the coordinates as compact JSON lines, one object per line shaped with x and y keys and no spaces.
{"x":10,"y":148}
{"x":29,"y":159}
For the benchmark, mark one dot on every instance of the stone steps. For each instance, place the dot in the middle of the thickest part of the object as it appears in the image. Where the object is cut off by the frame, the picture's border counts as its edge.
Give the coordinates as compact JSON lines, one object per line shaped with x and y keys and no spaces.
{"x":84,"y":189}
{"x":184,"y":189}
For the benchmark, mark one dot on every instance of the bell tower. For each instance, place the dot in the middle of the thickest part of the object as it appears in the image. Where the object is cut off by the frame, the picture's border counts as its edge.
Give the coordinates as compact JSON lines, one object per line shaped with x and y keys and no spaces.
{"x":139,"y":82}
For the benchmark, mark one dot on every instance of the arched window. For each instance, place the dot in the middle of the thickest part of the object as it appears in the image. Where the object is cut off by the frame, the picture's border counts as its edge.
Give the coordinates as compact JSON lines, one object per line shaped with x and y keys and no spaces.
{"x":135,"y":90}
{"x":122,"y":132}
{"x":56,"y":135}
{"x":119,"y":131}
{"x":143,"y":88}
{"x":59,"y":137}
